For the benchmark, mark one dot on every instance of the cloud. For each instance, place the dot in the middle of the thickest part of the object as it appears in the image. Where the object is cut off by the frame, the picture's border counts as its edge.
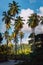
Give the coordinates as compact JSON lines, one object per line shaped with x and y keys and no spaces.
{"x":26,"y":28}
{"x":25,"y":13}
{"x":40,"y":11}
{"x":39,"y":29}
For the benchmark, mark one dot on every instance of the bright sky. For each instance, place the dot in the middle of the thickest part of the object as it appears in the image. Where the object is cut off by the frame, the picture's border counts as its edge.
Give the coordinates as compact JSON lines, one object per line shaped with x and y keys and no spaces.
{"x":27,"y":8}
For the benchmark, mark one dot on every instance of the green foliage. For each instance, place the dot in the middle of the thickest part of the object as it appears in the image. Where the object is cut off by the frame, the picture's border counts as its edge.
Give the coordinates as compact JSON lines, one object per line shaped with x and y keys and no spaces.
{"x":13,"y":8}
{"x":33,"y":20}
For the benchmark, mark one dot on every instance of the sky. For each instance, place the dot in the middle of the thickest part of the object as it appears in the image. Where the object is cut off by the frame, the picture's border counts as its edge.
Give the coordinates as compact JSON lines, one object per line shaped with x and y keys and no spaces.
{"x":27,"y":7}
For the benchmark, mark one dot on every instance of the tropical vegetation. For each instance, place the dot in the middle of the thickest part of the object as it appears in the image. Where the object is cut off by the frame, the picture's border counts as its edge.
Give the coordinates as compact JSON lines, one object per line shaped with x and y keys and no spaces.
{"x":30,"y":52}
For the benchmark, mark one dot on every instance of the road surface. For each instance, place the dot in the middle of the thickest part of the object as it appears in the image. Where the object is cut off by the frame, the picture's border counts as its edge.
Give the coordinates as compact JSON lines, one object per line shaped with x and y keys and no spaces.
{"x":10,"y":62}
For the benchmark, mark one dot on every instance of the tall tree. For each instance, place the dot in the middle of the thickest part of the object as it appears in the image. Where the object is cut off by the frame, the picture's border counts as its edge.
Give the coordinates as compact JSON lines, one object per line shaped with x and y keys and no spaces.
{"x":33,"y":21}
{"x":17,"y":27}
{"x":13,"y":10}
{"x":6,"y":19}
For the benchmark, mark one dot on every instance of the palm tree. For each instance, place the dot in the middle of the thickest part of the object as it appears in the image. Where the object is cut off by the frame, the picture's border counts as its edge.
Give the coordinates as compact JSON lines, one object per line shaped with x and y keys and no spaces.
{"x":33,"y":21}
{"x":19,"y":24}
{"x":6,"y":18}
{"x":17,"y":27}
{"x":21,"y":37}
{"x":14,"y":8}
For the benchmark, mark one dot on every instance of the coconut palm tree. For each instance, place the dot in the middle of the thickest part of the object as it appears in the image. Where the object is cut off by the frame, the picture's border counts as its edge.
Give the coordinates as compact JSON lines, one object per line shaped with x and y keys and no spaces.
{"x":14,"y":8}
{"x":6,"y":18}
{"x":17,"y":27}
{"x":33,"y":21}
{"x":21,"y":37}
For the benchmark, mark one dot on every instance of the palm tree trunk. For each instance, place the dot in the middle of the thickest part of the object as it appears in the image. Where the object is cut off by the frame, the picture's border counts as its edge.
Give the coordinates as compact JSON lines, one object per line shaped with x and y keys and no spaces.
{"x":15,"y":48}
{"x":7,"y":51}
{"x":33,"y":31}
{"x":21,"y":44}
{"x":15,"y":51}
